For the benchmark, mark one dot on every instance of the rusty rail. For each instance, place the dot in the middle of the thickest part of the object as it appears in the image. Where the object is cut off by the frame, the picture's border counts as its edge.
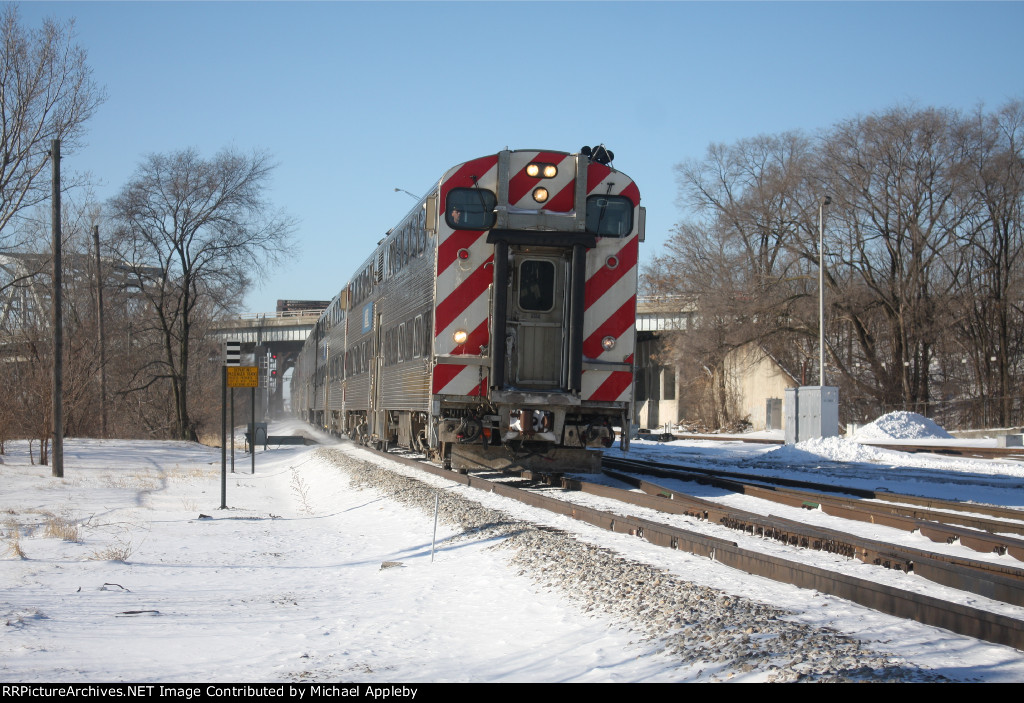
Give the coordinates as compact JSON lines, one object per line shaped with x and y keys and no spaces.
{"x":936,"y":525}
{"x":928,"y":610}
{"x":944,"y":449}
{"x":996,"y":581}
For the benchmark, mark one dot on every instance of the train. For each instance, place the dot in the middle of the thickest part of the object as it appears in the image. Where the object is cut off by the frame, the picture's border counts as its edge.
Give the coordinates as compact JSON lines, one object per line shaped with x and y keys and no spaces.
{"x":494,"y":326}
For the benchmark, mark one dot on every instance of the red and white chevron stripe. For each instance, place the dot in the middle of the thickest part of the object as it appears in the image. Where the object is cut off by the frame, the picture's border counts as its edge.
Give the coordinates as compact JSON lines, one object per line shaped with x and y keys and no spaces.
{"x":610,"y":295}
{"x":561,"y":188}
{"x":465,"y":272}
{"x":460,"y":290}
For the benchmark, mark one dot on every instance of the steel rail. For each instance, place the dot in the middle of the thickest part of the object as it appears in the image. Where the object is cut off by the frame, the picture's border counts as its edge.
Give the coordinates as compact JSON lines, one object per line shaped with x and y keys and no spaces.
{"x":890,"y":515}
{"x":996,"y":581}
{"x":887,"y":502}
{"x":928,"y":610}
{"x":949,"y":450}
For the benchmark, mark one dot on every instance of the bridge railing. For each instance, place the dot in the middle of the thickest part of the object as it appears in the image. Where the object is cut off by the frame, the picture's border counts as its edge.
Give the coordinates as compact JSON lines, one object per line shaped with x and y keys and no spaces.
{"x":272,"y":315}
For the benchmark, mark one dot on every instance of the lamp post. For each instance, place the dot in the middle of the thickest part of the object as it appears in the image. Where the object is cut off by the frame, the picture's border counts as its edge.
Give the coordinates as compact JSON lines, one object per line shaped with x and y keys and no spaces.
{"x":825,"y":200}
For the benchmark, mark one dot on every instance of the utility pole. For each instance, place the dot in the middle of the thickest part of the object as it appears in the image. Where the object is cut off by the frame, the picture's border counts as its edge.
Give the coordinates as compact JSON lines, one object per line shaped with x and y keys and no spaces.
{"x":56,"y":299}
{"x":99,"y":333}
{"x":825,"y":200}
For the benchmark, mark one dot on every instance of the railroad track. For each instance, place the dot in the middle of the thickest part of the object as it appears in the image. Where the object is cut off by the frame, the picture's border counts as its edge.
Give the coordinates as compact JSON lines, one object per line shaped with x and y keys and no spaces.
{"x":1005,"y":584}
{"x":983,"y":528}
{"x":1016,"y":454}
{"x":997,"y":581}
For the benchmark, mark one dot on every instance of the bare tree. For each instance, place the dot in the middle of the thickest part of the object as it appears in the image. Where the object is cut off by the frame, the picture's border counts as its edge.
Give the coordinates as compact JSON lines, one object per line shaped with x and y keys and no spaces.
{"x":25,"y":317}
{"x":899,"y":183}
{"x":742,"y":261}
{"x":924,"y":238}
{"x":195,"y":232}
{"x":46,"y":93}
{"x":989,"y":274}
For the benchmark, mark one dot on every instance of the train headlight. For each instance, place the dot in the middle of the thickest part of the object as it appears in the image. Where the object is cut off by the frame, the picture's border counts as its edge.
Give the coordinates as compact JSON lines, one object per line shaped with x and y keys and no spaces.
{"x":540,"y":195}
{"x":460,"y":336}
{"x":537,"y":170}
{"x":608,"y":343}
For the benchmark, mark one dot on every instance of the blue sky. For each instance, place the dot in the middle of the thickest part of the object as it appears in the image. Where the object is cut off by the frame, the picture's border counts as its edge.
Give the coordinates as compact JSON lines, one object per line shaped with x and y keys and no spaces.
{"x":355,"y":99}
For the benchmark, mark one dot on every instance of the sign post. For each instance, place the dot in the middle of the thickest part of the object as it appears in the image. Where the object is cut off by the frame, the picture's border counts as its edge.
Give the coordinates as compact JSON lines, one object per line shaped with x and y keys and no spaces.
{"x":243,"y":377}
{"x":232,"y":358}
{"x":252,"y":420}
{"x":223,"y":438}
{"x":247,"y":377}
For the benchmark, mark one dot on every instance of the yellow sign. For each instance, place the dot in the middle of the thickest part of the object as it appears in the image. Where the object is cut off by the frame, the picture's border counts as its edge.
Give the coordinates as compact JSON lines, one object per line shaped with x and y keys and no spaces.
{"x":243,"y":377}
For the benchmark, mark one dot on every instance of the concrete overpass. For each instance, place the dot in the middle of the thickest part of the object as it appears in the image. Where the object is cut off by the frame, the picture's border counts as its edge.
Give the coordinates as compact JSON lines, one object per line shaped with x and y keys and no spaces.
{"x":279,"y":336}
{"x":254,"y":329}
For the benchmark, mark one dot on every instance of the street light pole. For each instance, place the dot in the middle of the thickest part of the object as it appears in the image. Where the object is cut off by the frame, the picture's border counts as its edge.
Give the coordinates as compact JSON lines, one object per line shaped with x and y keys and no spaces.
{"x":825,"y":200}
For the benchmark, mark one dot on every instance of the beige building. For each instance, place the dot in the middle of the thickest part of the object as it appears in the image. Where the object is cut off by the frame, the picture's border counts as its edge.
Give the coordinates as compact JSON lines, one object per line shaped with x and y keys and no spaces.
{"x":753,"y":375}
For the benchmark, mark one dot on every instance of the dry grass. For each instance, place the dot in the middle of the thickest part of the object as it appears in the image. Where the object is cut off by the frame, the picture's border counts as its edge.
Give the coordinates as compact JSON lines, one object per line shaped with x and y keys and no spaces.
{"x":301,"y":490}
{"x":62,"y":528}
{"x":12,"y":536}
{"x":139,"y":480}
{"x":114,"y":552}
{"x":181,"y":473}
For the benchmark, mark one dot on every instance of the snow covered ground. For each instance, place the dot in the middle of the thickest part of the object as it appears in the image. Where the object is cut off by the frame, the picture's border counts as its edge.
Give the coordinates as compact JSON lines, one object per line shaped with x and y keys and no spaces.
{"x":126,"y":570}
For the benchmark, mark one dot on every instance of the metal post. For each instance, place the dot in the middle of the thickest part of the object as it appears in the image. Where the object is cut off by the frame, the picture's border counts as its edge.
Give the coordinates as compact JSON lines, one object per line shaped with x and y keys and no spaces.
{"x":252,"y":435}
{"x":231,"y":430}
{"x":223,"y":437}
{"x":266,"y":388}
{"x":433,"y":540}
{"x":825,"y":200}
{"x":57,"y":300}
{"x":100,"y":333}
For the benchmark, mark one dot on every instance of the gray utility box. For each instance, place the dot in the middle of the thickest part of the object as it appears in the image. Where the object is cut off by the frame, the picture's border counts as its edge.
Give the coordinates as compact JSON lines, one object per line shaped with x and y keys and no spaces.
{"x":261,"y":435}
{"x":811,"y":412}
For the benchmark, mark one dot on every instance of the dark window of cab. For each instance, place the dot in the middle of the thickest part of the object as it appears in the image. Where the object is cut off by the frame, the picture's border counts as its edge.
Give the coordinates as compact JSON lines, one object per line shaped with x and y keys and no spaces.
{"x":470,"y":208}
{"x":609,"y":215}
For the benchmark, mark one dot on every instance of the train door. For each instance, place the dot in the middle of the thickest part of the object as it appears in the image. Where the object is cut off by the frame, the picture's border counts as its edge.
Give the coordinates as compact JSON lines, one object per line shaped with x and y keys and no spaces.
{"x":537,"y":348}
{"x":375,"y":414}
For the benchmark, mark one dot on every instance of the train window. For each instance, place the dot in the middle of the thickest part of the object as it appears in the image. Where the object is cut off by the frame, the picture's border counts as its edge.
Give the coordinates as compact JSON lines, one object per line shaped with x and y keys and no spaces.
{"x":470,"y":208}
{"x":537,"y":286}
{"x":417,"y":337}
{"x":609,"y":215}
{"x":428,"y":340}
{"x":421,"y":229}
{"x":406,"y":332}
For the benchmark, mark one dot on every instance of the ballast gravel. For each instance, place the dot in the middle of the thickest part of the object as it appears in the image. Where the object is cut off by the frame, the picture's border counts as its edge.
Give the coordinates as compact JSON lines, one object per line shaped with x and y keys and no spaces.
{"x":722,"y":634}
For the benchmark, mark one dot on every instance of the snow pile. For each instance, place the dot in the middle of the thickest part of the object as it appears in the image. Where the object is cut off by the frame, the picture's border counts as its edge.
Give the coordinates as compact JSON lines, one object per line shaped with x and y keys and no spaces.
{"x":901,"y":425}
{"x":830,"y":448}
{"x":812,"y":452}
